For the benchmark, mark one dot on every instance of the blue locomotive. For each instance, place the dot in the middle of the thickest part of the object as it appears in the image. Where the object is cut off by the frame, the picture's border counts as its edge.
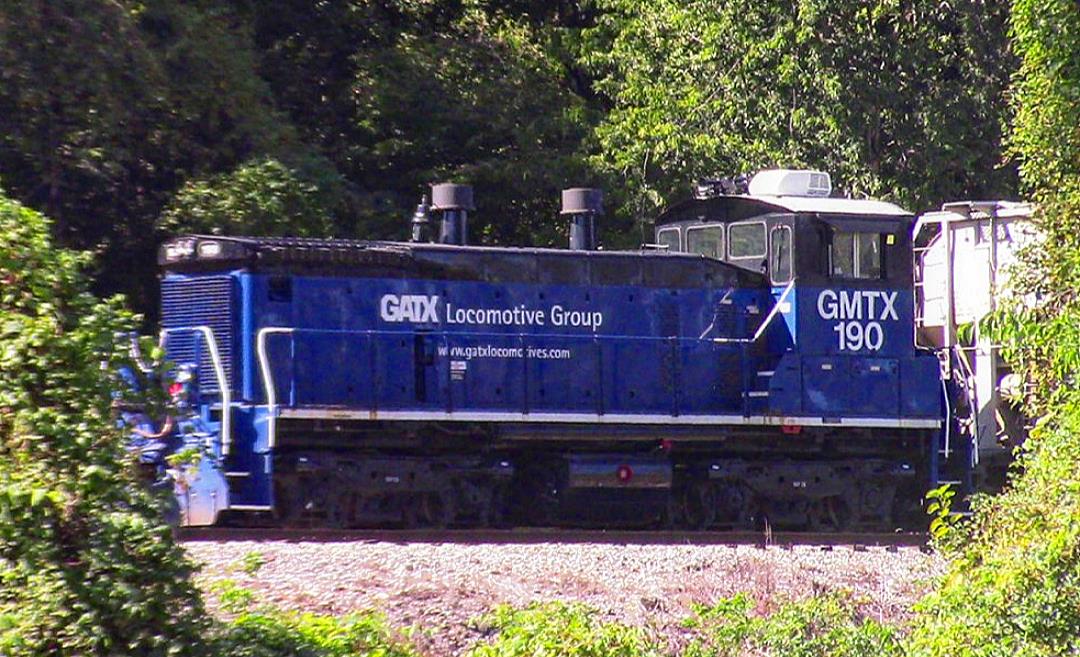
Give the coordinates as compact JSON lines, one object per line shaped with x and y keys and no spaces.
{"x":756,"y":364}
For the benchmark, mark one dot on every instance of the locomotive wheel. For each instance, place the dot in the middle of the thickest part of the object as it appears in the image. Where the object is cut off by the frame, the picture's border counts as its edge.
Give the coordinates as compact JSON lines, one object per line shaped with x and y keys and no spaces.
{"x":341,"y":509}
{"x":698,"y":505}
{"x":736,"y":503}
{"x":474,"y":502}
{"x":498,"y":513}
{"x":537,"y":499}
{"x":287,"y":506}
{"x":435,"y":509}
{"x":831,"y":514}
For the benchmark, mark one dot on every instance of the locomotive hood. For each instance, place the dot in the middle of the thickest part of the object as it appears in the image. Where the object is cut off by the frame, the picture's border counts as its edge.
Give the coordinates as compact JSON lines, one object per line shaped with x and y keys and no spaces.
{"x":649,"y":268}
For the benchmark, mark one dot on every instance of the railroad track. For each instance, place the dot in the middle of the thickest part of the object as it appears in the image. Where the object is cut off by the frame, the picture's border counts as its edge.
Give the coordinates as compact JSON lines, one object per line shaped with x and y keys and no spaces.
{"x":532,"y":535}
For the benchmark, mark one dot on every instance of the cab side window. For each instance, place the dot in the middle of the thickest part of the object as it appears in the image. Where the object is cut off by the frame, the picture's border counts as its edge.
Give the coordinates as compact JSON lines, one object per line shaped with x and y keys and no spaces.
{"x":706,"y":240}
{"x":669,"y":237}
{"x":855,"y":255}
{"x":747,"y":240}
{"x":780,"y":254}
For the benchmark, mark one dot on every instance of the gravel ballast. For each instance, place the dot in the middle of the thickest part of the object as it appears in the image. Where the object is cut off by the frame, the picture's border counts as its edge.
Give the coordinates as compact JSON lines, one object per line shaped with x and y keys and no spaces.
{"x":439,"y":587}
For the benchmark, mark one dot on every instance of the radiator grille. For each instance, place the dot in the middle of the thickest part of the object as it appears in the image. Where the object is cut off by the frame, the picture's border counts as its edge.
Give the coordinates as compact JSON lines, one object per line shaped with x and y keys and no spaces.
{"x":203,"y":301}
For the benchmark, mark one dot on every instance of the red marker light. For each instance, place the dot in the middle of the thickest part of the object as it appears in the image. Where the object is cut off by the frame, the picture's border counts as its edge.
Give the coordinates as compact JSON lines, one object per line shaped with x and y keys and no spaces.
{"x":624,"y":473}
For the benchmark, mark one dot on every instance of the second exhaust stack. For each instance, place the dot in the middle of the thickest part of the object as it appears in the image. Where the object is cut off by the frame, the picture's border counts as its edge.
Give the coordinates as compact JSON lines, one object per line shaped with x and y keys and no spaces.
{"x":454,"y":202}
{"x":583,"y":205}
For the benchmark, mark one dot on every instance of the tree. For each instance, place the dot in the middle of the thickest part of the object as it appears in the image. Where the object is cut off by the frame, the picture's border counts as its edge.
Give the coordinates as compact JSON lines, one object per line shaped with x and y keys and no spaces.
{"x":399,"y":95}
{"x":87,"y":565}
{"x":264,"y":197}
{"x":896,"y":98}
{"x":1043,"y":340}
{"x":106,"y":108}
{"x":1014,"y":579}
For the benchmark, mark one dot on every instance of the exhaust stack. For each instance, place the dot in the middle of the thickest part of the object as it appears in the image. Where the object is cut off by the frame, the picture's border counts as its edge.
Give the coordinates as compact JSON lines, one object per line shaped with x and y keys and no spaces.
{"x":582,"y":205}
{"x":454,"y":202}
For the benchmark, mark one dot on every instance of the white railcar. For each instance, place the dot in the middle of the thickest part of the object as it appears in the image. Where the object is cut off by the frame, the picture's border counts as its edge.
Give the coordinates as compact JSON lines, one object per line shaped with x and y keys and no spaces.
{"x":963,"y":257}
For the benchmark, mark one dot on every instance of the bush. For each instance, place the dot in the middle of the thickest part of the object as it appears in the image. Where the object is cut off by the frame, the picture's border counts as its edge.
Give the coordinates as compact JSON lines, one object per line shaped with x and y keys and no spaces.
{"x":87,"y":565}
{"x":276,"y":634}
{"x":559,"y":629}
{"x":1013,"y":586}
{"x":829,"y":626}
{"x":258,"y":631}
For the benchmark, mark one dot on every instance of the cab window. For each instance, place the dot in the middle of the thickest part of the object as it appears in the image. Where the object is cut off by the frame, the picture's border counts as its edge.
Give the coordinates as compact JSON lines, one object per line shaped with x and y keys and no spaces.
{"x":747,"y":240}
{"x":855,"y":255}
{"x":706,"y":240}
{"x":780,"y":254}
{"x":669,"y":237}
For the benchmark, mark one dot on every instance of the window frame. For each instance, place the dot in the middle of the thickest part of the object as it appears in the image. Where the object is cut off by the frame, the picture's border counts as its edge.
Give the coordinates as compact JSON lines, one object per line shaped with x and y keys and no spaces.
{"x":679,"y":241}
{"x":856,"y":265}
{"x":700,"y":227}
{"x":778,"y":228}
{"x":764,"y":234}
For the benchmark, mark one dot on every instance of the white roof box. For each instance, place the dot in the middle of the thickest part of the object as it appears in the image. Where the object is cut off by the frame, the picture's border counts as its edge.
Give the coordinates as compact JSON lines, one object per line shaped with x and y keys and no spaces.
{"x":790,"y":182}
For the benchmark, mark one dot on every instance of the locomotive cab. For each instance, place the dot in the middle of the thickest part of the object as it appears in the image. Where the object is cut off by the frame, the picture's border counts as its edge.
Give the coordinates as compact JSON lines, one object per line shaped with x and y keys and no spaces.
{"x":840,"y":271}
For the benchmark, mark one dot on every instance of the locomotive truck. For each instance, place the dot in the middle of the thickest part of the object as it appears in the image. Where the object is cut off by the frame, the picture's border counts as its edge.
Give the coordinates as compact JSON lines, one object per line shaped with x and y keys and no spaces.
{"x":756,"y":364}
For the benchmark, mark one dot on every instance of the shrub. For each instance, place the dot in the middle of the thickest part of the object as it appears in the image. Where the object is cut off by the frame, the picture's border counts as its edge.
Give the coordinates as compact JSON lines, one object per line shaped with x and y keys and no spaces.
{"x":828,"y":626}
{"x":264,"y":631}
{"x":1013,"y":586}
{"x":271,"y":633}
{"x":87,"y":566}
{"x":559,"y":629}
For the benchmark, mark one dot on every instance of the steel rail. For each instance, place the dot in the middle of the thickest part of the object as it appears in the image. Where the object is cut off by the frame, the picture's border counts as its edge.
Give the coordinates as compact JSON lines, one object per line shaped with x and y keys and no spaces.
{"x":534,"y":535}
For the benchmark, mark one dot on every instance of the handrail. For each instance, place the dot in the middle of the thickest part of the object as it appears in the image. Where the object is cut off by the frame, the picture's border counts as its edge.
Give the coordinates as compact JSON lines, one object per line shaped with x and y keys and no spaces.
{"x":948,"y":419}
{"x":268,"y":380}
{"x":972,"y":395}
{"x":481,"y":334}
{"x":136,"y":353}
{"x":219,"y":373}
{"x":764,"y":324}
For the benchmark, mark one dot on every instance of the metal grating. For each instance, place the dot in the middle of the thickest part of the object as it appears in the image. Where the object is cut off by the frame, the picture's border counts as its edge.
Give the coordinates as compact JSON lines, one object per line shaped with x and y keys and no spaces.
{"x":200,"y":301}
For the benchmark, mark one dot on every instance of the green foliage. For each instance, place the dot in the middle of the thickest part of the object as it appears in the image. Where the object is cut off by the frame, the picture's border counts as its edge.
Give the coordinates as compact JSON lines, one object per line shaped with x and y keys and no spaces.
{"x":1013,"y":586}
{"x":828,"y":626}
{"x":304,"y":118}
{"x":939,"y":507}
{"x":87,"y":566}
{"x":895,"y":99}
{"x":556,"y":628}
{"x":1014,"y":581}
{"x":107,"y":107}
{"x":266,"y":632}
{"x":259,"y":198}
{"x":479,"y":101}
{"x":253,"y":562}
{"x":232,"y":597}
{"x":288,"y":117}
{"x":1039,"y":329}
{"x":276,"y":634}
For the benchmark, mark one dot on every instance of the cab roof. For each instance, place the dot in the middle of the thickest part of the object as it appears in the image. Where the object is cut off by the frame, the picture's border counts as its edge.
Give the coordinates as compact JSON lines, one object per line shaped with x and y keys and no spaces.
{"x":740,"y":207}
